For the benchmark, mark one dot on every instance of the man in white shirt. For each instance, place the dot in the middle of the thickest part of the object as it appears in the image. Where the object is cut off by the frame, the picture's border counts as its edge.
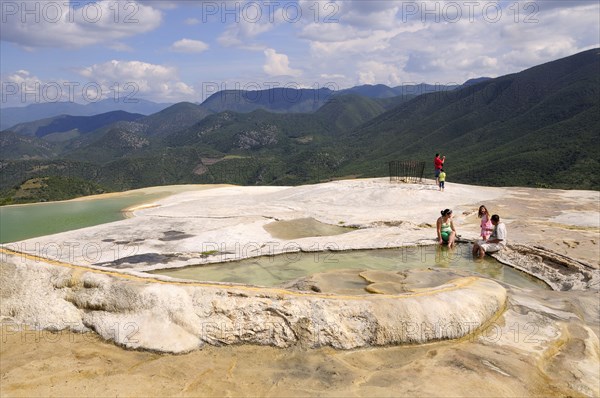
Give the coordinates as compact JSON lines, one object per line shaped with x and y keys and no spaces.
{"x":496,"y":241}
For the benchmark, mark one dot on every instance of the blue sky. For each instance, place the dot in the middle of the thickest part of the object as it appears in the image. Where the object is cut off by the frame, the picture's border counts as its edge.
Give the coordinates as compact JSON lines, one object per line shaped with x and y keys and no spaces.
{"x":170,"y":51}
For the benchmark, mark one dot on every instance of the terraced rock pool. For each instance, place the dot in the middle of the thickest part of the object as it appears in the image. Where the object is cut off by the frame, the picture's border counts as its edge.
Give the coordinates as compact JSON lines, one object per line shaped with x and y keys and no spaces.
{"x":346,"y":269}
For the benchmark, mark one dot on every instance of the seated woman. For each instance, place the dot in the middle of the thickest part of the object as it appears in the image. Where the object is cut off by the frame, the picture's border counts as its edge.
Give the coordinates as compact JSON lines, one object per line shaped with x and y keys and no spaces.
{"x":445,"y":228}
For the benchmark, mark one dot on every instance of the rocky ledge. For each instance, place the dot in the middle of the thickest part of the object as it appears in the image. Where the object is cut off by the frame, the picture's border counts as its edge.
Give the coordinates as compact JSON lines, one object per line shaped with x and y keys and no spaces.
{"x":179,"y":317}
{"x":94,"y":279}
{"x":558,"y":271}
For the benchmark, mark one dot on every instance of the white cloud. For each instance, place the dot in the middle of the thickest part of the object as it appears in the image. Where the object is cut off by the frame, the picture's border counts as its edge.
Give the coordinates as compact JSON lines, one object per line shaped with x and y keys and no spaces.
{"x":367,"y":7}
{"x":373,"y":72}
{"x":560,"y":32}
{"x":253,"y":19}
{"x":242,"y":33}
{"x":56,"y":24}
{"x":22,"y":88}
{"x":369,"y":14}
{"x":278,"y":64}
{"x":547,"y":5}
{"x":14,"y":86}
{"x":135,"y":70}
{"x":189,"y":46}
{"x":150,"y":80}
{"x":121,"y":47}
{"x":347,"y":42}
{"x":451,"y":50}
{"x":172,"y":4}
{"x":332,"y":76}
{"x":331,"y":32}
{"x":368,"y":45}
{"x":22,"y":77}
{"x":165,"y":5}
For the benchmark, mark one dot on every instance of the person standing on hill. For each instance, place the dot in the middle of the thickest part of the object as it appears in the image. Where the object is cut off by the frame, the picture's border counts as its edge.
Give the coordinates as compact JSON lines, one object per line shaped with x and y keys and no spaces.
{"x":438,"y":163}
{"x":442,"y":179}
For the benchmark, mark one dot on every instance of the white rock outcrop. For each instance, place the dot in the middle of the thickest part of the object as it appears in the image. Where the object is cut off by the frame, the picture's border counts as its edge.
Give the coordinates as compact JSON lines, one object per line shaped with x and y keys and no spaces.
{"x":179,"y":317}
{"x":558,"y":271}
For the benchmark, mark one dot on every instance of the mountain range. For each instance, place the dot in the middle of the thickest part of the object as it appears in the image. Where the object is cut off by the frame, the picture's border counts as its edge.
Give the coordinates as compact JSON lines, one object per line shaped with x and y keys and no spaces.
{"x":538,"y":127}
{"x":67,"y":123}
{"x":281,"y":100}
{"x":12,"y":116}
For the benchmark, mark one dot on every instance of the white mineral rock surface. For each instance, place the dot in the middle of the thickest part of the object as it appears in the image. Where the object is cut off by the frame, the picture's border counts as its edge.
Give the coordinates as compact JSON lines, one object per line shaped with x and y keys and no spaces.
{"x":230,"y":220}
{"x":94,"y":278}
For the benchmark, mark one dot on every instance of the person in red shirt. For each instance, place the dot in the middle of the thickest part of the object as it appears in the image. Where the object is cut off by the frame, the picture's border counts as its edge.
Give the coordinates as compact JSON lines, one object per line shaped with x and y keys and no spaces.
{"x":438,"y":163}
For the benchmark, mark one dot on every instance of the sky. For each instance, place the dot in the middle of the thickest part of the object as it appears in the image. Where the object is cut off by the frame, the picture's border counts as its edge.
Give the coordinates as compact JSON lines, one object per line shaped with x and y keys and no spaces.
{"x":172,"y":51}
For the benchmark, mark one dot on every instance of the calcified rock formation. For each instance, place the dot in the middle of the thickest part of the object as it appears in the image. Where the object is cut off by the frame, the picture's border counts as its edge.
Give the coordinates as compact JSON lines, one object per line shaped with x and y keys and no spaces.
{"x":498,"y":332}
{"x":558,"y":271}
{"x":138,"y":313}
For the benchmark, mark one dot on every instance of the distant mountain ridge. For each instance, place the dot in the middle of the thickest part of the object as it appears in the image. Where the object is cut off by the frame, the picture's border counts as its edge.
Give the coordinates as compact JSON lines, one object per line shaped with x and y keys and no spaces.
{"x":478,"y":80}
{"x":65,"y":123}
{"x":538,"y":127}
{"x":173,"y":118}
{"x":413,"y":90}
{"x":12,"y":116}
{"x":294,"y":100}
{"x":279,"y":100}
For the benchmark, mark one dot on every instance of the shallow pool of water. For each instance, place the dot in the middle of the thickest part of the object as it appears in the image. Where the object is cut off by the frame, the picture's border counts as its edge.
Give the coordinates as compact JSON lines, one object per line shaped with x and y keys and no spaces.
{"x":303,"y":228}
{"x":32,"y":220}
{"x":281,"y":269}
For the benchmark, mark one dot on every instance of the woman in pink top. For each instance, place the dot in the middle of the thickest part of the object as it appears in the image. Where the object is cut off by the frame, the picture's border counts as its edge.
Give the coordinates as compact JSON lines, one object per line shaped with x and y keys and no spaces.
{"x":486,"y":222}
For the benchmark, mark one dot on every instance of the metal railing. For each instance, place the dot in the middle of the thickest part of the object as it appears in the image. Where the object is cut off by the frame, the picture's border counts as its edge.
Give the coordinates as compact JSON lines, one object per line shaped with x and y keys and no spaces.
{"x":410,"y":171}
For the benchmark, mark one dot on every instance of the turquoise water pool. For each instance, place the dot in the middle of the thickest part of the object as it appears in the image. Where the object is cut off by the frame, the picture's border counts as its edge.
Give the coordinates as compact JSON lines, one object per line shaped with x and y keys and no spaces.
{"x":32,"y":220}
{"x":277,"y":270}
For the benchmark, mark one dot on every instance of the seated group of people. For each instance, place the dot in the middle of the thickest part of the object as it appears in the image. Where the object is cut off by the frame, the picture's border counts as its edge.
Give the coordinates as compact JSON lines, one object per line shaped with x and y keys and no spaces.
{"x":493,"y":232}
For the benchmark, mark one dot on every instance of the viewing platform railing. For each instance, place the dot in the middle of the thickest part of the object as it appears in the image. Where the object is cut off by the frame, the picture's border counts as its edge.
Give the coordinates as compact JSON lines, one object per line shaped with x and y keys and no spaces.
{"x":410,"y":171}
